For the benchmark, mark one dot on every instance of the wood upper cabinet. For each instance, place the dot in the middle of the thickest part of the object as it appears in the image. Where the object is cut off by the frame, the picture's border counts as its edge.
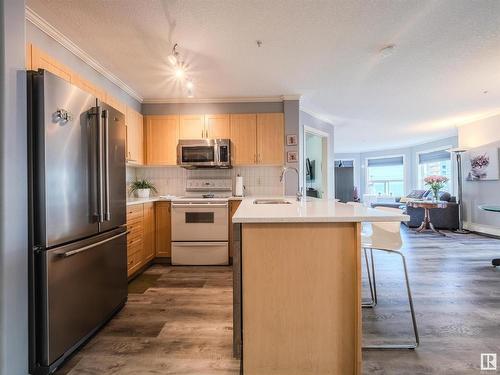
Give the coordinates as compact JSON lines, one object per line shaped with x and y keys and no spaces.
{"x":135,"y":136}
{"x":163,"y":231}
{"x":41,"y":60}
{"x":192,"y":127}
{"x":270,"y":138}
{"x":162,"y":135}
{"x":217,"y":126}
{"x":243,"y":139}
{"x":116,"y":104}
{"x":149,"y":231}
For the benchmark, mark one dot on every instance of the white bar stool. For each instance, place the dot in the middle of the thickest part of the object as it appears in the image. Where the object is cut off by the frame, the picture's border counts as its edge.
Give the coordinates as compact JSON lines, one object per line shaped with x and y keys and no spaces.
{"x":386,"y":236}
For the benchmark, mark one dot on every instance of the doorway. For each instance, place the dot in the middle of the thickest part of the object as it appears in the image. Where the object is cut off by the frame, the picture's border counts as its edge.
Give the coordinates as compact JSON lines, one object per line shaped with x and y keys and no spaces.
{"x":344,"y":181}
{"x":316,"y":163}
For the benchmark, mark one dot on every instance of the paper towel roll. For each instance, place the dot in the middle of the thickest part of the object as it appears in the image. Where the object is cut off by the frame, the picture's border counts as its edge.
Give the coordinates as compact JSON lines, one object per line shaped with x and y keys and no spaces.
{"x":238,"y":191}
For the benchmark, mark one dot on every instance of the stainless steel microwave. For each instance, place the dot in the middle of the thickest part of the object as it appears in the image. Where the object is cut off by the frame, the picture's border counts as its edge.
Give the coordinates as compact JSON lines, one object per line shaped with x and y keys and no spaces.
{"x":204,"y":153}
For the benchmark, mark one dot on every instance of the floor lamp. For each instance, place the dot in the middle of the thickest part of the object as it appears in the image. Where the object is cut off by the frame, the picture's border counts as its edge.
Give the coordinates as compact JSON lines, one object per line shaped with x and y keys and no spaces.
{"x":458,"y":153}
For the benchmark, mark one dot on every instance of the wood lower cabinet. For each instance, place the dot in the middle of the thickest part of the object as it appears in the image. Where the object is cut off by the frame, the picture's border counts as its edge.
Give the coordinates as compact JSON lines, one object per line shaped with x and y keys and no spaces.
{"x":163,"y":230}
{"x":149,"y":231}
{"x":135,"y":238}
{"x":162,"y":135}
{"x":244,"y":139}
{"x":270,"y":138}
{"x":233,"y":206}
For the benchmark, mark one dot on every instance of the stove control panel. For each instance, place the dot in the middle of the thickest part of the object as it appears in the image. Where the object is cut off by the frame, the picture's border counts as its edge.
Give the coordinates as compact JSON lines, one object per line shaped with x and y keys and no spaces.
{"x":209,"y":184}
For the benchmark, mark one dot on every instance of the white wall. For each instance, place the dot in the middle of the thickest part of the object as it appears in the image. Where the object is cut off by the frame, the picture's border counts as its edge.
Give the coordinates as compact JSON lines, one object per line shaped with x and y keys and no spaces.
{"x":481,"y":133}
{"x":13,"y":192}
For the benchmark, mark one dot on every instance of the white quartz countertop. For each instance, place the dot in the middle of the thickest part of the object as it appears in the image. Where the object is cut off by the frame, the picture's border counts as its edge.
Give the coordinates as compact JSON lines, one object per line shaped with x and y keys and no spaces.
{"x":309,"y":210}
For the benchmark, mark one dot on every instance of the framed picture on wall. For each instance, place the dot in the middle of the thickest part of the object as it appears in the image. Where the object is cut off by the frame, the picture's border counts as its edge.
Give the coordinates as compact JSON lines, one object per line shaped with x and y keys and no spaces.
{"x":482,"y":164}
{"x":291,"y":140}
{"x":292,"y":157}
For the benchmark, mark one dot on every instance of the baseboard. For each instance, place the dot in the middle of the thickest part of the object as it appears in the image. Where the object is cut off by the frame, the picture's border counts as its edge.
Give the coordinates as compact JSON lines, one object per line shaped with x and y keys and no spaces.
{"x":483,"y":229}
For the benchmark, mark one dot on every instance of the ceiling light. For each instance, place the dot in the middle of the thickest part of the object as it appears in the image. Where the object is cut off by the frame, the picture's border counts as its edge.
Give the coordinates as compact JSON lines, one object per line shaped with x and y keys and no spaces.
{"x":189,"y":84}
{"x":173,"y":58}
{"x":190,"y":93}
{"x":180,"y":72}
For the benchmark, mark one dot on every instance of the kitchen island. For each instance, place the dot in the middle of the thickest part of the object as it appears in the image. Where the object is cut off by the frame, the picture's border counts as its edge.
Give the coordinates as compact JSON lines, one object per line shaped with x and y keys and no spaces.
{"x":297,"y":285}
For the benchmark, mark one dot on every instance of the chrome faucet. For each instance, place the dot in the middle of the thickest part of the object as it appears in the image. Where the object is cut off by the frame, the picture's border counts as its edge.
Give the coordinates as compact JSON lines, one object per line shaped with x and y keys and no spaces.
{"x":299,"y":193}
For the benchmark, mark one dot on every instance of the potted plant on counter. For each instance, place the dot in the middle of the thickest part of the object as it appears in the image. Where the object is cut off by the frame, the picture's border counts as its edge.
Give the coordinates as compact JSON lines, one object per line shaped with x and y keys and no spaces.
{"x":436,"y":183}
{"x":142,"y":188}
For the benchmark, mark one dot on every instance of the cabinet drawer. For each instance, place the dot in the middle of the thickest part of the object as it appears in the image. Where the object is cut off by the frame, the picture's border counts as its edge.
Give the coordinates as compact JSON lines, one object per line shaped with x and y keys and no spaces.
{"x":134,"y":261}
{"x":135,"y":228}
{"x":134,"y":212}
{"x":134,"y":241}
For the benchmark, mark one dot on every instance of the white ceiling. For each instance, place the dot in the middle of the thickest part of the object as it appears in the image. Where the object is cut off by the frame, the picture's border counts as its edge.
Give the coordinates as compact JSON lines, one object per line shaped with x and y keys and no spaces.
{"x":447,"y":54}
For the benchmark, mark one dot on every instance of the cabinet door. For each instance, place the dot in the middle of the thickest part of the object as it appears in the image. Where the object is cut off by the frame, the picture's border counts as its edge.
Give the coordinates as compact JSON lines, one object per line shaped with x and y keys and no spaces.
{"x":40,"y":60}
{"x":270,"y":138}
{"x":244,"y":139}
{"x":135,"y":238}
{"x":149,"y":231}
{"x":163,"y":231}
{"x":192,"y":127}
{"x":162,"y":135}
{"x":217,"y":126}
{"x":135,"y":137}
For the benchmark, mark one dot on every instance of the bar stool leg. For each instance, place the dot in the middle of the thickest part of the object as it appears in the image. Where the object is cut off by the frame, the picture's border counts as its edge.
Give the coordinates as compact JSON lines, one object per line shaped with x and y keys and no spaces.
{"x":412,"y":311}
{"x":373,"y":302}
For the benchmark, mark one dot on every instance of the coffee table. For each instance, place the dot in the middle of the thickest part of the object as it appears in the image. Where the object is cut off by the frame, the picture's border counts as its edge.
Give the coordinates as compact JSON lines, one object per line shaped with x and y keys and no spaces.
{"x":492,"y":208}
{"x":427,"y":206}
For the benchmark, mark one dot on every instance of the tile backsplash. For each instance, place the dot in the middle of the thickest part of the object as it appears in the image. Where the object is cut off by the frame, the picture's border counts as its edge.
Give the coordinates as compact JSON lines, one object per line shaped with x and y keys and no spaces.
{"x":172,"y":180}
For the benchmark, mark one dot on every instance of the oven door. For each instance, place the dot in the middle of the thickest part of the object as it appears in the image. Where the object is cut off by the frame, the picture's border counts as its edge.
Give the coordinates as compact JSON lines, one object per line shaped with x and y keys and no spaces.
{"x":203,"y":155}
{"x":199,"y":221}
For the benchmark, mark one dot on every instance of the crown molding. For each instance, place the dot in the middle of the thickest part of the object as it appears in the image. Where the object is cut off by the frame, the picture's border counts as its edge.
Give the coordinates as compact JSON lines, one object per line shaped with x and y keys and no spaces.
{"x":268,"y":99}
{"x":317,"y":116}
{"x":55,"y":34}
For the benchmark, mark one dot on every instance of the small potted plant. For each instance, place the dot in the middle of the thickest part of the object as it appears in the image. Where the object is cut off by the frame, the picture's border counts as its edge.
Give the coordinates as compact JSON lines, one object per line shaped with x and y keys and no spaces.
{"x":142,"y":188}
{"x":436,"y":183}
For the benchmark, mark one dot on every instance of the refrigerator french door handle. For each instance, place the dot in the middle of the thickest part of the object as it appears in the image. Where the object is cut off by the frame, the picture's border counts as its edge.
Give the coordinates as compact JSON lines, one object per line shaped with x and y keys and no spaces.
{"x":107,"y":214}
{"x":100,"y":178}
{"x":85,"y":248}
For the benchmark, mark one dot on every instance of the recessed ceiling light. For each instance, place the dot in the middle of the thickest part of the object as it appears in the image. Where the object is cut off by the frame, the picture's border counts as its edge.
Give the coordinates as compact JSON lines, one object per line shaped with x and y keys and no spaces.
{"x":189,"y":84}
{"x":387,"y":50}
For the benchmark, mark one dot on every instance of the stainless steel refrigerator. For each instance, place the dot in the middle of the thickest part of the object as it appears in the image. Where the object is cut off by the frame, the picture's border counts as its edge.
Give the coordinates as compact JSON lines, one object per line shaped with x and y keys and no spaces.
{"x":77,"y":254}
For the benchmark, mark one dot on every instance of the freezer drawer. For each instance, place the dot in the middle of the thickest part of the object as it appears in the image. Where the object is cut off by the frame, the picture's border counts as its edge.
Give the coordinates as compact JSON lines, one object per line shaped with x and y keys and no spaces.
{"x":82,"y":285}
{"x":199,"y":253}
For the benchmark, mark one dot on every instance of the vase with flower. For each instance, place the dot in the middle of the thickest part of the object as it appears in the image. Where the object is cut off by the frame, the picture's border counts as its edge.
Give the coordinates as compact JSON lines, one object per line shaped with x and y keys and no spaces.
{"x":436,"y":183}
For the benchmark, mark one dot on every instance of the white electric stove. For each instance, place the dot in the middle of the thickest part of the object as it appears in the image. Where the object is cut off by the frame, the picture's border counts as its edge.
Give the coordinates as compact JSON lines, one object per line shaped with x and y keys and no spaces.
{"x":200,"y":223}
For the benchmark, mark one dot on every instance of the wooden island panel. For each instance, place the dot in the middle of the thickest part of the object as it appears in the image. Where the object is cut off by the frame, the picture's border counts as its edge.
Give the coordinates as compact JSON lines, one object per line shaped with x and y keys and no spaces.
{"x":301,"y":285}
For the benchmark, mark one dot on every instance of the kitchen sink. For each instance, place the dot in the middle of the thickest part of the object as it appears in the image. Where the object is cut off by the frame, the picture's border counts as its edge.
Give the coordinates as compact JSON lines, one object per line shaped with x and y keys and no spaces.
{"x":271,"y":201}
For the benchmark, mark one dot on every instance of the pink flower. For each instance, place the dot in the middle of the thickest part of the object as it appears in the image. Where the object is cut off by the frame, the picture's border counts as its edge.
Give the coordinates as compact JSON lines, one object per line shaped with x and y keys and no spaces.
{"x":431,"y":180}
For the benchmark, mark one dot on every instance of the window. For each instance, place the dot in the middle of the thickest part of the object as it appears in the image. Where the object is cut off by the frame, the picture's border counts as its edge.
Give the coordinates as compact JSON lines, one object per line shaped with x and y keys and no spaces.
{"x":434,"y":163}
{"x":386,"y":176}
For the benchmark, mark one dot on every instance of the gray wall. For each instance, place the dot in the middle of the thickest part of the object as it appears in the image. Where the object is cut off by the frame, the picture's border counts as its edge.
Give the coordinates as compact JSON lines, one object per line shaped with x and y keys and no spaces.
{"x":53,"y":48}
{"x":410,"y":158}
{"x":209,"y":108}
{"x":310,"y":121}
{"x":13,"y":192}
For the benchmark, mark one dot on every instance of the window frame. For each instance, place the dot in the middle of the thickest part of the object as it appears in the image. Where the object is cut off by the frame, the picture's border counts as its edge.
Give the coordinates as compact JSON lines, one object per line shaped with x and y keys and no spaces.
{"x":452,"y":166}
{"x":405,"y":171}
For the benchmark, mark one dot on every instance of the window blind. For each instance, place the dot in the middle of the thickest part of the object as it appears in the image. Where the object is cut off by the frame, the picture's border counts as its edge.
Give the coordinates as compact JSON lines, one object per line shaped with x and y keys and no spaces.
{"x":429,"y":157}
{"x":385,"y":162}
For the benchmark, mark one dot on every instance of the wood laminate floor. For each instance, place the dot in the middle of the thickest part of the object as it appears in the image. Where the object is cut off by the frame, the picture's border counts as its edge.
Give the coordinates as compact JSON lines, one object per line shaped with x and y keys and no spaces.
{"x":178,"y":320}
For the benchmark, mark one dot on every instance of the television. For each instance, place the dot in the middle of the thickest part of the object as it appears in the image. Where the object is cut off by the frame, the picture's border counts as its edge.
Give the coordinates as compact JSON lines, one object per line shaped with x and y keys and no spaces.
{"x":310,"y":166}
